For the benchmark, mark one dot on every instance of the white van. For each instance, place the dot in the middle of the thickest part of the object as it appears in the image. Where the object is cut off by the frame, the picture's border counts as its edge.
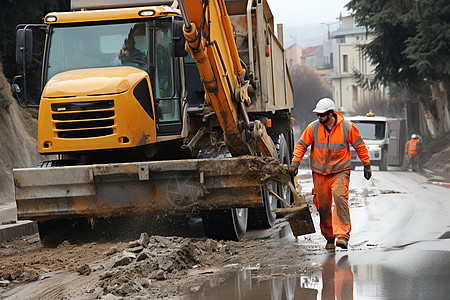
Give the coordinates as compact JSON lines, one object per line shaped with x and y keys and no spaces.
{"x":374,"y":131}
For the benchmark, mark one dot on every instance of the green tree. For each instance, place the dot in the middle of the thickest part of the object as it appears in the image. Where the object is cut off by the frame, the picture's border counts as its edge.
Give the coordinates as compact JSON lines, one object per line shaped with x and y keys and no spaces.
{"x":410,"y":49}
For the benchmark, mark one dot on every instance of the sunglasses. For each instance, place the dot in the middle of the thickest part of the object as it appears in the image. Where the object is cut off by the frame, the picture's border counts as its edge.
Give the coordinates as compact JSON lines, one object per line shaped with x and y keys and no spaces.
{"x":322,"y":114}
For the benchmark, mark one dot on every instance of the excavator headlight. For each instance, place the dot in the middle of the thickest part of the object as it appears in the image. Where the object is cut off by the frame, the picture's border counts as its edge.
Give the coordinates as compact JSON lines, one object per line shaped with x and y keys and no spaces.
{"x":147,"y":13}
{"x":51,"y":19}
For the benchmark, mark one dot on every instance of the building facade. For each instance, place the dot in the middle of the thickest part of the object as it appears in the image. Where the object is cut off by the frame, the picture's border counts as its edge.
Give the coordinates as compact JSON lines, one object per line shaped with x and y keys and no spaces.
{"x":294,"y":55}
{"x":348,"y":58}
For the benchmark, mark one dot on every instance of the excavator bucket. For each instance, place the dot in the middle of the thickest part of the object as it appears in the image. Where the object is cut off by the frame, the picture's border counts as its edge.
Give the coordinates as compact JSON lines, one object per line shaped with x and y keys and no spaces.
{"x":106,"y":190}
{"x":130,"y":189}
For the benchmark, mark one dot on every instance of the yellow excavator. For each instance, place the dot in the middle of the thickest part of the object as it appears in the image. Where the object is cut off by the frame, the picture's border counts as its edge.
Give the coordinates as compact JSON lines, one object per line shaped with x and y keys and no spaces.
{"x":152,"y":108}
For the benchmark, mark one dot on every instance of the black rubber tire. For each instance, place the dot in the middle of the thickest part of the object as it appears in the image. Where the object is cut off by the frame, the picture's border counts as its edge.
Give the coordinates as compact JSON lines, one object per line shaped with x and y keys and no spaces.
{"x":264,"y":217}
{"x":384,"y":161}
{"x":283,"y":155}
{"x":224,"y":224}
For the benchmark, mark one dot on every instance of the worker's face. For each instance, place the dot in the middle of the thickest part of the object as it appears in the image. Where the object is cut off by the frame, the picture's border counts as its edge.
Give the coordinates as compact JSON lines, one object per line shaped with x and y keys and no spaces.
{"x":129,"y":44}
{"x":324,"y":117}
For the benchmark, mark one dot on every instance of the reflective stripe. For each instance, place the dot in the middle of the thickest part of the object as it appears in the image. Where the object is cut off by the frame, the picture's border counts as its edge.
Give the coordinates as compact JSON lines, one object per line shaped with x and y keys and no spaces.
{"x":338,"y":146}
{"x":317,"y":165}
{"x":345,"y":130}
{"x":358,"y":141}
{"x":315,"y":129}
{"x":347,"y":164}
{"x":303,"y":143}
{"x":321,"y":145}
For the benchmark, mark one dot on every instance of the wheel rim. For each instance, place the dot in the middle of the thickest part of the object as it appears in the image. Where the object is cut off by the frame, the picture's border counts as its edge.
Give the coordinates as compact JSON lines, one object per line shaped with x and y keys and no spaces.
{"x":240,"y":216}
{"x":272,"y":201}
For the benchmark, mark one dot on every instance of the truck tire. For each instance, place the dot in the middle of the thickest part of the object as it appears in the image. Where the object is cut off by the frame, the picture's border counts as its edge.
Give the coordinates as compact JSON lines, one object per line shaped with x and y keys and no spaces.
{"x":384,"y":161}
{"x":264,"y":217}
{"x":283,"y":155}
{"x":224,"y":224}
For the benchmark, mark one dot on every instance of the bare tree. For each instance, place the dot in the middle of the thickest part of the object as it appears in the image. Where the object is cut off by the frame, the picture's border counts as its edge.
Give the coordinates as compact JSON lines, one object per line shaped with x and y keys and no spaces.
{"x":380,"y":106}
{"x":309,"y":87}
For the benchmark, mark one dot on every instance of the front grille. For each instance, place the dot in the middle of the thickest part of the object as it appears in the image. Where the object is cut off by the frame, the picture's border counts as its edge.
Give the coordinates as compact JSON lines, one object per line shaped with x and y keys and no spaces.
{"x":84,"y":124}
{"x":77,"y":106}
{"x":84,"y":119}
{"x":84,"y":115}
{"x":84,"y":133}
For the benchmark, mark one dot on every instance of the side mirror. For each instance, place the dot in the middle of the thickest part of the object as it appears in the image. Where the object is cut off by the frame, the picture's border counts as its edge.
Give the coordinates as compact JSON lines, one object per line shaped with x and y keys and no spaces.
{"x":177,"y":44}
{"x":24,"y":46}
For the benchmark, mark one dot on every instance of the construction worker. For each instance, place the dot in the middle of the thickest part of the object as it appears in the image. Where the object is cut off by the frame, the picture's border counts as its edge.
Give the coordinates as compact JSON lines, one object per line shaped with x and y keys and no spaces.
{"x":330,"y":161}
{"x":412,"y":151}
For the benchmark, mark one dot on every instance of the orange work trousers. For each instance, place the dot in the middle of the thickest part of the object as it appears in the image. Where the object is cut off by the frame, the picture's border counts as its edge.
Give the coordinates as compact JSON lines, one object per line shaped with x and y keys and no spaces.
{"x":333,"y":222}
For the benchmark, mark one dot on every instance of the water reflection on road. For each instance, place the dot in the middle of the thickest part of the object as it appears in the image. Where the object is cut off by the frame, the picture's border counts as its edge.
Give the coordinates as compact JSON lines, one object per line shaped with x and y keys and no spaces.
{"x":399,"y":249}
{"x":406,"y":273}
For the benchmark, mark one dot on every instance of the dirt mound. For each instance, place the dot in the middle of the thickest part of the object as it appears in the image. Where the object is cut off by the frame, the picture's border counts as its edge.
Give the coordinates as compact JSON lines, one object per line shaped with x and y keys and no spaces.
{"x":18,"y":148}
{"x":149,"y":268}
{"x":134,"y":270}
{"x":440,"y":163}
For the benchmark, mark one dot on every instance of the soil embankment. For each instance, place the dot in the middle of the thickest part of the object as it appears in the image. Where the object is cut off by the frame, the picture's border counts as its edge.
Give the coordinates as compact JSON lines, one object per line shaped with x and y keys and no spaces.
{"x":18,"y":148}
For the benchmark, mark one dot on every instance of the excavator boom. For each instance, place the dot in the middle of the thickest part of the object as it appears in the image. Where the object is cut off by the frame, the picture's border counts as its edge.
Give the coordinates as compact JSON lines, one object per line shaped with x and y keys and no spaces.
{"x":210,"y":40}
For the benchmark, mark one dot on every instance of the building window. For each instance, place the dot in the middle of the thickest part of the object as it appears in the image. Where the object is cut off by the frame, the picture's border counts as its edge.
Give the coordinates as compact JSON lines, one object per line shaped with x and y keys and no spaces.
{"x":355,"y":92}
{"x":345,"y":63}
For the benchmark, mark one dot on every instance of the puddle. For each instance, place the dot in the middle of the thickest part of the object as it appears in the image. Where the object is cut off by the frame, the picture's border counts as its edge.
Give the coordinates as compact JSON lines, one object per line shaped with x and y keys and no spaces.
{"x":259,"y":284}
{"x":376,"y":274}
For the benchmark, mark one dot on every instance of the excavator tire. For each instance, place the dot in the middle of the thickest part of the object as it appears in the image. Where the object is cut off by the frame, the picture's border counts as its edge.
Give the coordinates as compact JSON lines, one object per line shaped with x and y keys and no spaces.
{"x":284,"y":157}
{"x":224,"y":224}
{"x":264,"y":217}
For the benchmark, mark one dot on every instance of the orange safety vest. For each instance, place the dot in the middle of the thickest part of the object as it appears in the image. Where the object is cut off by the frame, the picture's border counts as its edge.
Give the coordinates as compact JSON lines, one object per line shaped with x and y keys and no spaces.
{"x":330,"y":152}
{"x":411,"y":147}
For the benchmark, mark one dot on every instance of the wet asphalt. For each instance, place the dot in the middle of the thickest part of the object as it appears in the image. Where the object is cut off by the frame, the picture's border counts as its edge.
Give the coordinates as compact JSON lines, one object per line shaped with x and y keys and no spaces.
{"x":399,"y":248}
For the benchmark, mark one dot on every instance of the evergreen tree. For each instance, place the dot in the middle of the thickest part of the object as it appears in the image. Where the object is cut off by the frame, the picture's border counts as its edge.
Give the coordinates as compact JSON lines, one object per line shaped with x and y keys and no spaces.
{"x":410,"y":49}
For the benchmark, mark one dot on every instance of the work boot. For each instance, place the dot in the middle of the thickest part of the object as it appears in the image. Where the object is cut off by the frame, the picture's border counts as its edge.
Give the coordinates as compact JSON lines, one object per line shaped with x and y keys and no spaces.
{"x":342,"y":242}
{"x":330,"y":244}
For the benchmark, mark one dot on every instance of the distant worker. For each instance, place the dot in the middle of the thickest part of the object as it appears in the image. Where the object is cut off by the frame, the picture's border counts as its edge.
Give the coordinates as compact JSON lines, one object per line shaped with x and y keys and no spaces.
{"x":130,"y":54}
{"x":412,"y":152}
{"x":330,"y":161}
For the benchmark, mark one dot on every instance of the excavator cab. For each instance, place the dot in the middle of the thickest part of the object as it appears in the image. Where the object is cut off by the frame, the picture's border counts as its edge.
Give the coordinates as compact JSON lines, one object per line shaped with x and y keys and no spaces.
{"x":114,"y":82}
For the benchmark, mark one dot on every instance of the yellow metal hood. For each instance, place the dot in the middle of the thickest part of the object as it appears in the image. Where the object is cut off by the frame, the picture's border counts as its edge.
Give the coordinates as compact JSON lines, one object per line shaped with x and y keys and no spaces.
{"x":98,"y":81}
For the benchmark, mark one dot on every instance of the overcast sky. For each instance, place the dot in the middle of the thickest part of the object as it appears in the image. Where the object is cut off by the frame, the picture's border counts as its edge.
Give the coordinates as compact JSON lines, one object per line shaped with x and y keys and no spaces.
{"x":301,"y":12}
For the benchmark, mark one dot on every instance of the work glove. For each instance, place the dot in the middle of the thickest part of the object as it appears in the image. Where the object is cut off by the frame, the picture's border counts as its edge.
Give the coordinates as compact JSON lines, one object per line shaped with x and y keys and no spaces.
{"x":367,"y":172}
{"x":293,"y":169}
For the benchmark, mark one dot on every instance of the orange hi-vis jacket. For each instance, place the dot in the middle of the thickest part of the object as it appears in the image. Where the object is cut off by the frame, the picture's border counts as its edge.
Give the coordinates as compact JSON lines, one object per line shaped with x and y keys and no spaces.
{"x":412,"y":146}
{"x":330,"y":152}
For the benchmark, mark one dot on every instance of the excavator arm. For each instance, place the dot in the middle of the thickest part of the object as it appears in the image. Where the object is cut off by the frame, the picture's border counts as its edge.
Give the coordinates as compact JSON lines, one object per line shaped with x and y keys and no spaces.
{"x":210,"y":40}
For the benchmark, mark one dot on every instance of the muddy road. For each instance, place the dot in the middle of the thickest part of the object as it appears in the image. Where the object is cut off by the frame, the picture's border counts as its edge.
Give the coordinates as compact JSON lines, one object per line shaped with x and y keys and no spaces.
{"x":399,"y":249}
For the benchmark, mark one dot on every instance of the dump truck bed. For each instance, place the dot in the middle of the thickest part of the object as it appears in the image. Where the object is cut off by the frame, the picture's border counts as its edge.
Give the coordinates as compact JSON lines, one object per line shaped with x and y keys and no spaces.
{"x":169,"y":187}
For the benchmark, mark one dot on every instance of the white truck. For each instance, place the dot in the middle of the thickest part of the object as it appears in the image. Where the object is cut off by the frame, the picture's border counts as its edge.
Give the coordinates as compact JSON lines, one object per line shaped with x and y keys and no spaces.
{"x":374,"y":131}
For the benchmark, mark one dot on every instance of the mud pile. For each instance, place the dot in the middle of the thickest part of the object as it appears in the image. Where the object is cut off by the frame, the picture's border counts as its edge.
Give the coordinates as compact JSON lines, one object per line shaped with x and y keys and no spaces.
{"x":140,"y":268}
{"x":440,"y":163}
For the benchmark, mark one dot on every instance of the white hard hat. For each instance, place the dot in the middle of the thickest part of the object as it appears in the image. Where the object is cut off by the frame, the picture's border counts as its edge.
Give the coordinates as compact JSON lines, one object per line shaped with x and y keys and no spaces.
{"x":324,"y":104}
{"x":413,"y":136}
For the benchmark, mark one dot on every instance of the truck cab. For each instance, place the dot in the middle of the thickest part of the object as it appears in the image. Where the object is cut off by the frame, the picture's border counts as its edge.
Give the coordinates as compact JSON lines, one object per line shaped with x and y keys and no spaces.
{"x":374,"y":131}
